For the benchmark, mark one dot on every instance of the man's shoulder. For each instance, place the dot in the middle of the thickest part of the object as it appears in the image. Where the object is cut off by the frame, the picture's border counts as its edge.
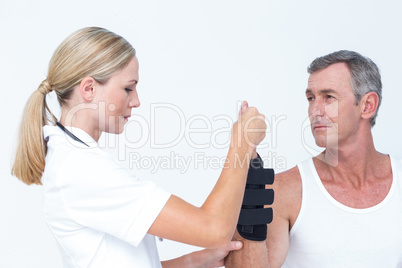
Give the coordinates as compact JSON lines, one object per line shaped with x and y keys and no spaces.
{"x":290,"y":173}
{"x":288,"y":194}
{"x":288,"y":182}
{"x":289,"y":176}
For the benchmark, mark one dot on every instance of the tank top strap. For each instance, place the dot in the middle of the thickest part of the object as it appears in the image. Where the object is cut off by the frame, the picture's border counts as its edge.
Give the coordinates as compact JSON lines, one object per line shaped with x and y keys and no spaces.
{"x":305,"y":169}
{"x":309,"y":190}
{"x":308,"y":175}
{"x":396,"y":172}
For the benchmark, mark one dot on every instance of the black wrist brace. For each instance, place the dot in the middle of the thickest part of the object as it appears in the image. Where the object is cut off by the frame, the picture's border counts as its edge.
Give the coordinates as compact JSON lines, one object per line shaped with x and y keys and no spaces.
{"x":253,"y":218}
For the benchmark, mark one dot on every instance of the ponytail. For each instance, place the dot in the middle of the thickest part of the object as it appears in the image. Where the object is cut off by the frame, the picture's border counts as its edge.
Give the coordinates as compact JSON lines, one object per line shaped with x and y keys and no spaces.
{"x":29,"y":162}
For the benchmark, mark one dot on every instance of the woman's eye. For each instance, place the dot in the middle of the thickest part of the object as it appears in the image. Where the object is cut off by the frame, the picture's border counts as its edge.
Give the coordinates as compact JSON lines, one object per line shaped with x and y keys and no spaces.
{"x":128,"y":89}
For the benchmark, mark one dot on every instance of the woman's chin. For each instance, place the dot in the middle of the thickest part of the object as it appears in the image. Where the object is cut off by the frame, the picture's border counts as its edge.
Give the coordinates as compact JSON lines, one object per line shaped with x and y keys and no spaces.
{"x":118,"y":130}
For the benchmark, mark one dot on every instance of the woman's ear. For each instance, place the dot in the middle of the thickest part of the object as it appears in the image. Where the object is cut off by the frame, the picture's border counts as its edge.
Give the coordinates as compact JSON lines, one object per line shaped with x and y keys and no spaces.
{"x":87,"y":88}
{"x":369,"y":105}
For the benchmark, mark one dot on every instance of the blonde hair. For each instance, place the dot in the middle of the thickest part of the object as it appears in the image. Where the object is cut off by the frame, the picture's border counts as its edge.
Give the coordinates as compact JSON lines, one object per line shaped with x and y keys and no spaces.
{"x":89,"y":52}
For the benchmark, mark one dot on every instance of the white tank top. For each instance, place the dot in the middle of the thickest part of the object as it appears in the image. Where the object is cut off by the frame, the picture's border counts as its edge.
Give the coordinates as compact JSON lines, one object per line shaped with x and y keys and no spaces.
{"x":330,"y":234}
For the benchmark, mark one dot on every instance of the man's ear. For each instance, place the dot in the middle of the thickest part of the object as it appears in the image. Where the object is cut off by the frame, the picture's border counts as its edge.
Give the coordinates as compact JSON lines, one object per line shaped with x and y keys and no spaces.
{"x":87,"y":88}
{"x":369,"y":105}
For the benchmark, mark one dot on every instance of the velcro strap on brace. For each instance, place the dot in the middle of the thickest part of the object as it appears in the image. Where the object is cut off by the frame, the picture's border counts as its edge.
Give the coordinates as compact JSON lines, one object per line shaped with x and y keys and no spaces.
{"x":260,"y":176}
{"x":253,"y":218}
{"x":254,"y":197}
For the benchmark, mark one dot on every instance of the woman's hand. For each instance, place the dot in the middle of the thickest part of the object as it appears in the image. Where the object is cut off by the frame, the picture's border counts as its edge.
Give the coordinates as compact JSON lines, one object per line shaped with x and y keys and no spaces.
{"x":207,"y":258}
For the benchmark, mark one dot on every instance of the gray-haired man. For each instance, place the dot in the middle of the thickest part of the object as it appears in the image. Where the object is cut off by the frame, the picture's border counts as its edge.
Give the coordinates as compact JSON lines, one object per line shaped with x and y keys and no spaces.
{"x":342,"y":208}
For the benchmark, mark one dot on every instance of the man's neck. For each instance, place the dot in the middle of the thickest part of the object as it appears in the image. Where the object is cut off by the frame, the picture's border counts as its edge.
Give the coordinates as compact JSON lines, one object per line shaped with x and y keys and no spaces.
{"x":351,"y":161}
{"x":359,"y":171}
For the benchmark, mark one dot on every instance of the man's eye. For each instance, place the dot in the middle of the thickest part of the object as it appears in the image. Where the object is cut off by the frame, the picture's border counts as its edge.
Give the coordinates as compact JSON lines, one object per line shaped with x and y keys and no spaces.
{"x":310,"y":99}
{"x":128,"y":89}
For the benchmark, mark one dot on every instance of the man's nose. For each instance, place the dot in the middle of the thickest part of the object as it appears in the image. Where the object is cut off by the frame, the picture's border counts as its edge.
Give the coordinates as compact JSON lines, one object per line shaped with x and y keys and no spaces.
{"x":318,"y":108}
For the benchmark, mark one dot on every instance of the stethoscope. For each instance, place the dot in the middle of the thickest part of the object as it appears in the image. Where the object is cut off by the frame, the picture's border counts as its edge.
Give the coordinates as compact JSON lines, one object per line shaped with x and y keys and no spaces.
{"x":69,"y":133}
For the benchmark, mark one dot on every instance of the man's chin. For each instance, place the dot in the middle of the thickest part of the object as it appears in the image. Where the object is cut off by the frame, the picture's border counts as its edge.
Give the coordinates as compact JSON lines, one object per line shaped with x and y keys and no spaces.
{"x":325,"y":143}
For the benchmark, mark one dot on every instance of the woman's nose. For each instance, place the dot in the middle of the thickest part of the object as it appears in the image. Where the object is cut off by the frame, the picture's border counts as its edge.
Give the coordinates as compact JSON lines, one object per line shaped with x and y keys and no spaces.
{"x":134,"y":101}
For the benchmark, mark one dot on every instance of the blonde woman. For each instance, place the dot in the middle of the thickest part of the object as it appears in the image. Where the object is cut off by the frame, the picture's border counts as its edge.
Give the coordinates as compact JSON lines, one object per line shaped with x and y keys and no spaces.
{"x":100,"y":214}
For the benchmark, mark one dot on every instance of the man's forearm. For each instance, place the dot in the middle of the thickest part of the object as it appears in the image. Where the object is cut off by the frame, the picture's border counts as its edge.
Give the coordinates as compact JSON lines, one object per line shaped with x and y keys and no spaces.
{"x":253,"y":254}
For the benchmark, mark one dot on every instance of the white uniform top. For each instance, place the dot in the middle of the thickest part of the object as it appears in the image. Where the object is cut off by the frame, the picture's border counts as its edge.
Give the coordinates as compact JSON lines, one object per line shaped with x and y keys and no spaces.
{"x":97,"y":210}
{"x":330,"y":234}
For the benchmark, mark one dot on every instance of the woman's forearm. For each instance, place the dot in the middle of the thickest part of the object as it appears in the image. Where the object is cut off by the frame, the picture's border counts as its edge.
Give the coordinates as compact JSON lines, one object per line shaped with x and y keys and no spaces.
{"x":206,"y":258}
{"x":212,"y":225}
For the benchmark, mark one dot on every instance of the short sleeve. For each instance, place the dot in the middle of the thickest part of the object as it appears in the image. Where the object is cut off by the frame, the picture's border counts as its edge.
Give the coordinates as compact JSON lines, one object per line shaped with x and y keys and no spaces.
{"x":101,"y":194}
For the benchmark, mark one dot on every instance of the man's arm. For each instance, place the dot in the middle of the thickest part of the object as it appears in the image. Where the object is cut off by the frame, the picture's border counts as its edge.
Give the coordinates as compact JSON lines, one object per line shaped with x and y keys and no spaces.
{"x":272,"y":253}
{"x":253,"y":254}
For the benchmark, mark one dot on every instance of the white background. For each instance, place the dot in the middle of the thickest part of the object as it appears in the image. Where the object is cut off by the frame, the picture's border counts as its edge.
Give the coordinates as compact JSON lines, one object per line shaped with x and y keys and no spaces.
{"x":202,"y":58}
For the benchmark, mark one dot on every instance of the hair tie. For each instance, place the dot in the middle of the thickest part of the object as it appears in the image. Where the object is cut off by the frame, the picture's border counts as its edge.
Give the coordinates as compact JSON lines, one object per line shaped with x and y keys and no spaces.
{"x":45,"y":87}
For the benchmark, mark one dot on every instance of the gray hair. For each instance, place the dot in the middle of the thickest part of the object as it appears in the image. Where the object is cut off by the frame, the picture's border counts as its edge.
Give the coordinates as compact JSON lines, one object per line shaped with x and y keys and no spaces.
{"x":364,"y":72}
